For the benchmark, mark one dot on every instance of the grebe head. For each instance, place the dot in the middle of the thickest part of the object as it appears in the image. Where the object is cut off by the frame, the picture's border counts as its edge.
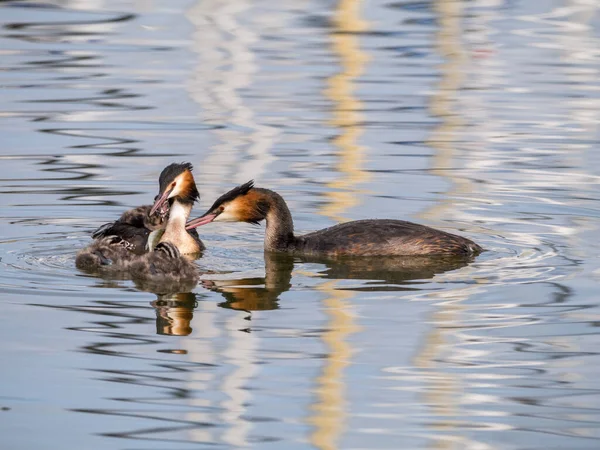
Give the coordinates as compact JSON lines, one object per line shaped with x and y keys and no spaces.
{"x":175,"y":181}
{"x":241,"y":204}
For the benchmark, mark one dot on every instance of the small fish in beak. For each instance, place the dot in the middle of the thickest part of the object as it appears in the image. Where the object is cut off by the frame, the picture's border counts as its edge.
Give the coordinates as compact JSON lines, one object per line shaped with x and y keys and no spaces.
{"x":161,"y":201}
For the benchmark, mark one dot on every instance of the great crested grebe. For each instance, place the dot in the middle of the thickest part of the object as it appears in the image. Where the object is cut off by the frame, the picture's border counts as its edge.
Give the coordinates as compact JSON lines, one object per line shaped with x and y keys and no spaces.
{"x":374,"y":237}
{"x":177,"y":188}
{"x":135,"y":225}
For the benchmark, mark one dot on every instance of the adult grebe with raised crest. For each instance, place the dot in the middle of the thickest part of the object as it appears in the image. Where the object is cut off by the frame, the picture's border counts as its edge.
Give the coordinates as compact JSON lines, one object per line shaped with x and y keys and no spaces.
{"x":122,"y":241}
{"x":373,"y":237}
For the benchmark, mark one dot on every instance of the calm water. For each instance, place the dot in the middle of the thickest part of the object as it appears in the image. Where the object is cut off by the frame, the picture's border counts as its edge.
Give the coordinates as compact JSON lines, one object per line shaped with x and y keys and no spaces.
{"x":477,"y":117}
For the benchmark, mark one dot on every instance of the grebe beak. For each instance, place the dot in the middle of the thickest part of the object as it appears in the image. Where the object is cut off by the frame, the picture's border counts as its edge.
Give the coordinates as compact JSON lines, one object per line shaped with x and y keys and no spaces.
{"x":160,"y":200}
{"x":202,"y":220}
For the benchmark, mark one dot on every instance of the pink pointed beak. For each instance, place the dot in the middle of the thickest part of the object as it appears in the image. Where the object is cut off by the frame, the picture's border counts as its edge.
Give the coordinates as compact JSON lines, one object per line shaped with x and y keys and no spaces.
{"x":159,"y":202}
{"x":198,"y":222}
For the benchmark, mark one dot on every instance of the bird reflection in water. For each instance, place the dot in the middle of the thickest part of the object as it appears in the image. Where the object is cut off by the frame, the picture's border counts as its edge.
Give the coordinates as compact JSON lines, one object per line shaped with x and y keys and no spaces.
{"x":260,"y":293}
{"x":392,"y":273}
{"x":389,"y":273}
{"x":174,"y":313}
{"x":175,"y":310}
{"x":163,"y":286}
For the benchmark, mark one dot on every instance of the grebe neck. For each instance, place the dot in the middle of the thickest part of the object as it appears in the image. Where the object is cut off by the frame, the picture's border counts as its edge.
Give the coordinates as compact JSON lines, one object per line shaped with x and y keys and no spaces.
{"x":179,"y":213}
{"x":175,"y":231}
{"x":279,"y":234}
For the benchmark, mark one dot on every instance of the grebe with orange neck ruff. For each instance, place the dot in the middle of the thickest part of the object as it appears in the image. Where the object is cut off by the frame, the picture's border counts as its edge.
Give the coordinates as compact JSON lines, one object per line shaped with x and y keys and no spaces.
{"x":371,"y":237}
{"x":120,"y":244}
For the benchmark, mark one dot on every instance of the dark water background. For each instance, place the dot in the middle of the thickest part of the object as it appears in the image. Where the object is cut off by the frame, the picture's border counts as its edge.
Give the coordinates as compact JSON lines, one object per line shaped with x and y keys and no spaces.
{"x":477,"y":117}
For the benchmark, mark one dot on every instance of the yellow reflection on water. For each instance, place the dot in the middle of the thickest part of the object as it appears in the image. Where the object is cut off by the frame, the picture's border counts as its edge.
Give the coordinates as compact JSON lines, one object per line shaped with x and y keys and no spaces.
{"x":347,"y":114}
{"x":329,"y":408}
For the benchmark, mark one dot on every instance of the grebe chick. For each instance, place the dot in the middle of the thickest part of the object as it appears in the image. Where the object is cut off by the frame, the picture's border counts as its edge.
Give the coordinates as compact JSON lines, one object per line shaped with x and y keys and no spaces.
{"x":164,"y":268}
{"x":374,"y":237}
{"x":135,"y":225}
{"x":103,"y":253}
{"x":121,"y":243}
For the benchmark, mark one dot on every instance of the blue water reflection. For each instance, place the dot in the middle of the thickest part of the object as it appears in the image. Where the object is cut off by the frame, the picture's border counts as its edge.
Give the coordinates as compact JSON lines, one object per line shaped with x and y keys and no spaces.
{"x":476,"y":117}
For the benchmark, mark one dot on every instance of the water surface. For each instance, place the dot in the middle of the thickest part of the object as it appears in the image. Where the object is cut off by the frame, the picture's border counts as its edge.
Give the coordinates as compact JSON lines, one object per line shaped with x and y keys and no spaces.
{"x":479,"y":118}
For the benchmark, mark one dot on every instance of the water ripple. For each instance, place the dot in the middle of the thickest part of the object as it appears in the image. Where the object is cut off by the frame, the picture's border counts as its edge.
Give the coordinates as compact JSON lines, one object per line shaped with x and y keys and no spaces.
{"x":478,"y":118}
